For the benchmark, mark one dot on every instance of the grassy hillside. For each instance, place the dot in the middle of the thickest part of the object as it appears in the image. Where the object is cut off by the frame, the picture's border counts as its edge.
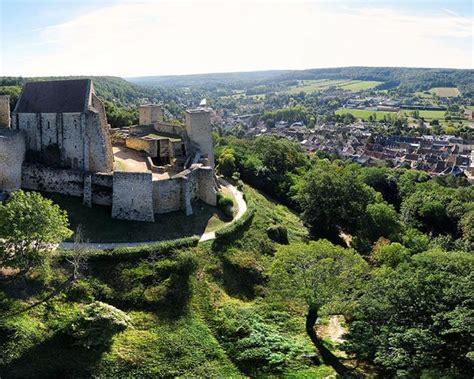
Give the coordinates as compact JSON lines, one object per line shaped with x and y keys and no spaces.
{"x":202,"y":312}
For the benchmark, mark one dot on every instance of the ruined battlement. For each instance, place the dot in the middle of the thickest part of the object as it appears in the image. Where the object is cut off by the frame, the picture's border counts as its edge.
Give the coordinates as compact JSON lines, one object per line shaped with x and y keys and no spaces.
{"x":61,"y":128}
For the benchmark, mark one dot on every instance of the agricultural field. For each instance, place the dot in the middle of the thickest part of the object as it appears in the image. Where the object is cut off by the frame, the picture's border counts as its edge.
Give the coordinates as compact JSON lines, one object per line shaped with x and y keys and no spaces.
{"x":364,"y":114}
{"x":310,"y":86}
{"x":445,"y":91}
{"x":359,"y":85}
{"x":429,"y":115}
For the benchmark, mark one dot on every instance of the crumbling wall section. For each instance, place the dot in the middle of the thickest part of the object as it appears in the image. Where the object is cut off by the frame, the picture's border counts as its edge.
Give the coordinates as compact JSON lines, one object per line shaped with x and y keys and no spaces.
{"x":44,"y":178}
{"x":133,"y":196}
{"x":148,"y":114}
{"x":102,"y":184}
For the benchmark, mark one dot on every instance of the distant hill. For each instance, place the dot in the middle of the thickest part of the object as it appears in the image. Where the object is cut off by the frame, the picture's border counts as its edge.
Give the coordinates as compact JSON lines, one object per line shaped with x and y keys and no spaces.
{"x":408,"y":78}
{"x":199,"y":80}
{"x":107,"y":87}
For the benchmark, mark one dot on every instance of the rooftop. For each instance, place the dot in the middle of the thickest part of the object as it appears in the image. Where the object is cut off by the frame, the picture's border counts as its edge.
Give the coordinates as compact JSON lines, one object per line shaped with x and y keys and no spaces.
{"x":57,"y":96}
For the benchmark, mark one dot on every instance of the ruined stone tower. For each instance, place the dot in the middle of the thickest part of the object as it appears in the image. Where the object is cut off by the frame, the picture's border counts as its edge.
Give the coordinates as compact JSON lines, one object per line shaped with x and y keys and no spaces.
{"x":198,"y":127}
{"x":149,"y":114}
{"x":4,"y":111}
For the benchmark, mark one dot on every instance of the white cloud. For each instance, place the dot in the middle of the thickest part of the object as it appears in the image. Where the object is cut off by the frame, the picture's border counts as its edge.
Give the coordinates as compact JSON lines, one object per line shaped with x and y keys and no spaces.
{"x":156,"y":38}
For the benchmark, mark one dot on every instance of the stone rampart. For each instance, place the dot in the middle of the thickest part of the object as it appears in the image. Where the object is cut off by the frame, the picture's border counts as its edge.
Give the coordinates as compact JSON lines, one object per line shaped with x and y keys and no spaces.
{"x":133,"y":196}
{"x":207,"y":187}
{"x":12,"y":153}
{"x":44,"y":178}
{"x":4,"y":111}
{"x":167,"y":195}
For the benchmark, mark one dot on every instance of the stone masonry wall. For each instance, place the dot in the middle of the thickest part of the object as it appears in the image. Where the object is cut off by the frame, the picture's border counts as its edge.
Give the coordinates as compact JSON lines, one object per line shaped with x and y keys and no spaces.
{"x":12,"y":152}
{"x":169,"y":129}
{"x":166,"y":195}
{"x":140,"y":144}
{"x":4,"y":111}
{"x":148,"y":114}
{"x":207,"y":188}
{"x":102,"y":185}
{"x":48,"y":179}
{"x":101,"y":156}
{"x":198,"y":127}
{"x":133,"y":196}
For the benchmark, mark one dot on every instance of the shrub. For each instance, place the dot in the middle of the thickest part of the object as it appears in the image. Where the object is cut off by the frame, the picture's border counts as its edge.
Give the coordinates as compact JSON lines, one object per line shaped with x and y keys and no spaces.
{"x":96,"y":323}
{"x":225,"y":204}
{"x":254,"y":345}
{"x":278,"y":233}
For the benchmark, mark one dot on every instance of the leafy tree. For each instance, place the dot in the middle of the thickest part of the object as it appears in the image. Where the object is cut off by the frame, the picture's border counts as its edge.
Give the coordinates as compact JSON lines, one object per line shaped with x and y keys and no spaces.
{"x":418,"y":316}
{"x":325,"y":277}
{"x":333,"y":198}
{"x":380,"y":220}
{"x":467,"y":226}
{"x":389,"y":254}
{"x":408,"y":180}
{"x":226,"y":163}
{"x":382,"y":180}
{"x":29,"y":226}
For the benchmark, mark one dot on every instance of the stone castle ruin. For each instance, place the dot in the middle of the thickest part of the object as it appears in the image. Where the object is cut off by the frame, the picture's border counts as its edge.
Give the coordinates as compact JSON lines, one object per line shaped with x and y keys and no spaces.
{"x":58,"y":140}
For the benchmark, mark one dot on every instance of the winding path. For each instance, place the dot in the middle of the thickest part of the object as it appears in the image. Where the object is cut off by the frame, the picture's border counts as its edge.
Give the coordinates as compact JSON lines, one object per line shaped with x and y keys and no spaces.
{"x":241,"y":209}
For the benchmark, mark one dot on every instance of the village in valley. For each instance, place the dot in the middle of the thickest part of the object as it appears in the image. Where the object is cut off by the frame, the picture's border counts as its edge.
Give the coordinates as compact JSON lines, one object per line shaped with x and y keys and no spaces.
{"x":236,"y":189}
{"x":430,"y":130}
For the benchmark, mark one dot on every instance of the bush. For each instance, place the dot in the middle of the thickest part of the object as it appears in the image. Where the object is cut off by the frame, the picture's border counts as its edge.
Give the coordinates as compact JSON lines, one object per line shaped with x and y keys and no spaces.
{"x":96,"y":323}
{"x":255,"y":345}
{"x":278,"y":233}
{"x":225,"y":204}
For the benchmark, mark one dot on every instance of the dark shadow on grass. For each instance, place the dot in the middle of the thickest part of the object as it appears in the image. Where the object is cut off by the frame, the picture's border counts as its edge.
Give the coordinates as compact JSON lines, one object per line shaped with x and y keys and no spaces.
{"x":57,"y":357}
{"x":98,"y":225}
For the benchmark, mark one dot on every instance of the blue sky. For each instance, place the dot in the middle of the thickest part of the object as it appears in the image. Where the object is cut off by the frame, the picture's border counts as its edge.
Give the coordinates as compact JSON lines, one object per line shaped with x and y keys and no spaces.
{"x":134,"y":38}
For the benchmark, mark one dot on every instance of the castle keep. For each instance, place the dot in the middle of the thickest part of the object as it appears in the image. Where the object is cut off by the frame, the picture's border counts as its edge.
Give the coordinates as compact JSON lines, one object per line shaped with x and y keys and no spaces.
{"x":58,"y":140}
